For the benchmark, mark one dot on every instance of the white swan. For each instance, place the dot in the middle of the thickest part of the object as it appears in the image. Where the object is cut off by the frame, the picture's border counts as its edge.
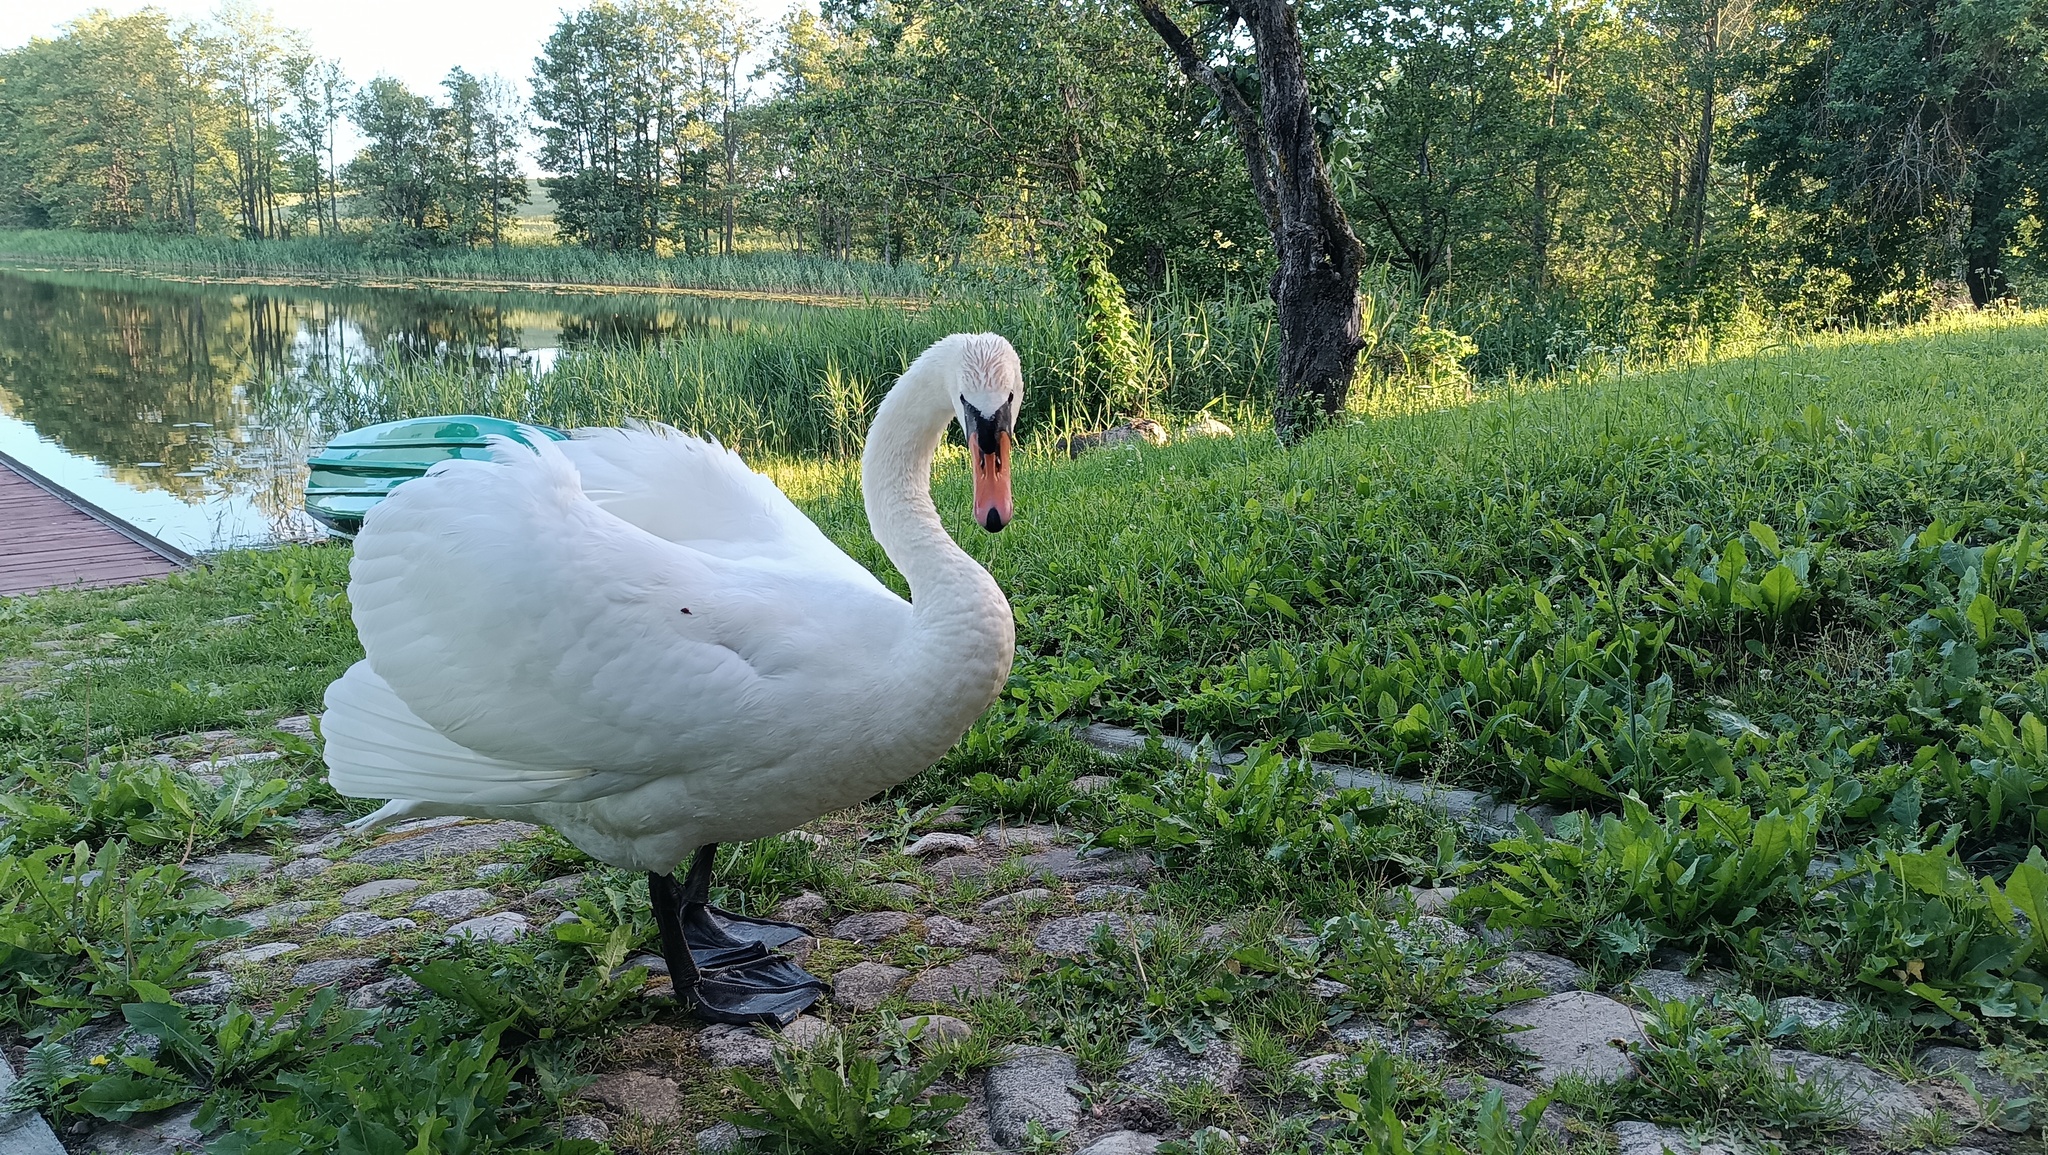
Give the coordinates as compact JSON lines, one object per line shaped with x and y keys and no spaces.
{"x":633,"y":638}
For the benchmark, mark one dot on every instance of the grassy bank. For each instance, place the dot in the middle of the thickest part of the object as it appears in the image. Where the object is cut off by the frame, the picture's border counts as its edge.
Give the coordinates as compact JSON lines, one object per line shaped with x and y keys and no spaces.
{"x":1772,"y":626}
{"x":556,"y":266}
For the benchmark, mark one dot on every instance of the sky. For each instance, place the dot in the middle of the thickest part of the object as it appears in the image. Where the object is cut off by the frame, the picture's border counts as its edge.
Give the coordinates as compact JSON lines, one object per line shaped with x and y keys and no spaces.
{"x":416,"y":41}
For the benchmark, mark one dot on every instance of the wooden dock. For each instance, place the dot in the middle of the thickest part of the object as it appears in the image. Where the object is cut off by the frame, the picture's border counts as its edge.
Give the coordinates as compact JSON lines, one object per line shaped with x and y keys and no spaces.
{"x":53,"y":539}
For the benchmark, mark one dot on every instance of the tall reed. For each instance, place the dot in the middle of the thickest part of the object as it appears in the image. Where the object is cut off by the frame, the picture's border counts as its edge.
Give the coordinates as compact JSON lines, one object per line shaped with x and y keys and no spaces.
{"x":553,"y":264}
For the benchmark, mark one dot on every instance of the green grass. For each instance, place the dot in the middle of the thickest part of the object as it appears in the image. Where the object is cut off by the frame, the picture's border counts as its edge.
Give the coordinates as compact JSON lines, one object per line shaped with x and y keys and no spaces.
{"x":1773,"y":622}
{"x":525,"y":264}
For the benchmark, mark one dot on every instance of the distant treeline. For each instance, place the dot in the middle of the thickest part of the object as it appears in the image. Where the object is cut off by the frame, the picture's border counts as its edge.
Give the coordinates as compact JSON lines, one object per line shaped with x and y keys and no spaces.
{"x":1554,"y":177}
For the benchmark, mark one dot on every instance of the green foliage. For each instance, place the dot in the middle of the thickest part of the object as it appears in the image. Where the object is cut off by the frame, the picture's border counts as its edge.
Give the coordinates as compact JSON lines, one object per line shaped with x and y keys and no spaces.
{"x":421,"y":1085}
{"x":1262,"y":825}
{"x":1397,"y":974}
{"x":842,"y":1102}
{"x":1697,"y":1069}
{"x":540,"y":994}
{"x":146,"y":803}
{"x":83,"y":931}
{"x":1704,"y":869}
{"x":1376,"y":1116}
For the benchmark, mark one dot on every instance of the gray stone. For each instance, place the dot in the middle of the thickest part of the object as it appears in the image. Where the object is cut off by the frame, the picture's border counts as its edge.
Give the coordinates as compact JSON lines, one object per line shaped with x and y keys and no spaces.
{"x":960,"y":867}
{"x":1423,"y":1044}
{"x":1511,"y":1097}
{"x":951,"y":818}
{"x":383,"y":993}
{"x":1016,"y":898}
{"x":900,"y":891}
{"x":336,"y":972}
{"x":1671,"y":986}
{"x":724,"y":1139}
{"x":1099,"y":865}
{"x":221,"y":762}
{"x":415,"y":825}
{"x":1651,"y":1139}
{"x":158,"y":1133}
{"x":872,"y":927}
{"x":255,"y":954}
{"x":1962,"y":1063}
{"x":655,"y":964}
{"x":593,"y":1128}
{"x":941,"y":843}
{"x":561,"y":889}
{"x":1153,"y":1070}
{"x":369,"y":892}
{"x":798,"y":950}
{"x":1317,"y":1069}
{"x":935,"y":1028}
{"x":445,"y":842}
{"x":1109,"y":894}
{"x":1073,"y":936}
{"x":220,"y":869}
{"x":724,"y":1045}
{"x":1327,"y":989}
{"x":942,"y":931}
{"x":455,"y":903}
{"x":1545,"y":972}
{"x":1432,"y":899}
{"x":301,"y":869}
{"x":973,"y":977}
{"x":1088,"y":784}
{"x":495,"y":869}
{"x":23,"y":1132}
{"x":298,"y":724}
{"x":1575,"y":1033}
{"x":805,"y":1032}
{"x":863,"y":986}
{"x":1428,"y":932}
{"x":214,"y":989}
{"x":1034,"y":837}
{"x":1878,"y":1104}
{"x":805,"y":909}
{"x":363,"y":924}
{"x":1812,"y":1013}
{"x":313,"y":821}
{"x":320,"y":845}
{"x":1123,"y":1143}
{"x":638,"y":1095}
{"x":1031,"y":1085}
{"x":277,"y":914}
{"x":504,"y":926}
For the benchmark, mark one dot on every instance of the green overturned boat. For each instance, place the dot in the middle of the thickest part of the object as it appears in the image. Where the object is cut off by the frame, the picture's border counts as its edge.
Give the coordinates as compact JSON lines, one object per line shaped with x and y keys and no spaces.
{"x":359,"y":468}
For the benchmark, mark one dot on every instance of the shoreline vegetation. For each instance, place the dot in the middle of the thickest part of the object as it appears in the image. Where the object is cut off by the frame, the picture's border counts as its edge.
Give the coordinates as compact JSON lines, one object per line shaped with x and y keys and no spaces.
{"x":528,"y":266}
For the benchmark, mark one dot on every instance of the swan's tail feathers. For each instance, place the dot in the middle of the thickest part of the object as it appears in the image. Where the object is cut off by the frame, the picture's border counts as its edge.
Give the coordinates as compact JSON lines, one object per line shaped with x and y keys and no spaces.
{"x":378,"y":748}
{"x":391,"y":812}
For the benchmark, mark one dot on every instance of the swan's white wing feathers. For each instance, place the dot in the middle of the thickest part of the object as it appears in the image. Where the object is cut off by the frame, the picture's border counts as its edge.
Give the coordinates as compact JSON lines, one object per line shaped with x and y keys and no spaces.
{"x":699,"y":493}
{"x":379,"y":748}
{"x":522,"y":622}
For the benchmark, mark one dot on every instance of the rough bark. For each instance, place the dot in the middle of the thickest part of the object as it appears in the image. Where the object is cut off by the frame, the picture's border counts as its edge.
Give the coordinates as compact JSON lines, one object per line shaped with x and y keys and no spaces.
{"x":1315,"y":287}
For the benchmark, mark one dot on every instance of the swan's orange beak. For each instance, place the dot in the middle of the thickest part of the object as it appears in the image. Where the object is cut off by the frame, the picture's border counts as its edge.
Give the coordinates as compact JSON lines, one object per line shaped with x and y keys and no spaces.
{"x":992,"y":509}
{"x":988,"y":448}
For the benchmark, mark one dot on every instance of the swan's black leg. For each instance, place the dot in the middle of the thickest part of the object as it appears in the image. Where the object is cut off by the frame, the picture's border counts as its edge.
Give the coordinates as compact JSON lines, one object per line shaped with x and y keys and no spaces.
{"x":723,"y":965}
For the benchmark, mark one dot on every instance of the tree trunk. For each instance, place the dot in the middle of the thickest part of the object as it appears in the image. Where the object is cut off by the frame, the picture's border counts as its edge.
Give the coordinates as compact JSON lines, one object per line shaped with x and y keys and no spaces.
{"x":1315,"y":287}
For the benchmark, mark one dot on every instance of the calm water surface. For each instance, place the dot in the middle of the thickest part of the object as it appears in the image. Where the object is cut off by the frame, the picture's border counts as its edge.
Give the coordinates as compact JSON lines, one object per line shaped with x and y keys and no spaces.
{"x":190,"y":409}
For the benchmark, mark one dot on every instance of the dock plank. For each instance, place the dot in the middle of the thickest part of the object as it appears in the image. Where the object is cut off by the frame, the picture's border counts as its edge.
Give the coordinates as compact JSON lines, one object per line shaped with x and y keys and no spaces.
{"x":51,"y":540}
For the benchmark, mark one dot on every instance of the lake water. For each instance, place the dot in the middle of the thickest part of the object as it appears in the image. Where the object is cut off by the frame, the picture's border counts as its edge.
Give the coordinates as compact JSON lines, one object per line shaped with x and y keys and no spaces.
{"x":185,"y":407}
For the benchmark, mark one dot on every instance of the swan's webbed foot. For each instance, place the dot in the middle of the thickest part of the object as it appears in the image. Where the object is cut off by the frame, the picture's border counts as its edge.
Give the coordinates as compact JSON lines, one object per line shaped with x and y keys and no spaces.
{"x":724,"y":965}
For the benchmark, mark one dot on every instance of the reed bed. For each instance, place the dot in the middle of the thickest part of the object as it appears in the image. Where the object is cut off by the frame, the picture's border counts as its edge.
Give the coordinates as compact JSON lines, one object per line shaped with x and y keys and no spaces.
{"x":523,"y":264}
{"x":811,"y":386}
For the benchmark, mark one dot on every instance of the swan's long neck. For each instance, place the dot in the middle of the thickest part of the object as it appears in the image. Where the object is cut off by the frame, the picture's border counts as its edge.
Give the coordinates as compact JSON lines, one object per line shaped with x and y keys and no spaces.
{"x":957,"y":656}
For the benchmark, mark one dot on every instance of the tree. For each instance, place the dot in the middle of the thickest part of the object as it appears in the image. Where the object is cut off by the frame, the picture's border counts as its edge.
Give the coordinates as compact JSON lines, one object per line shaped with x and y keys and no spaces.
{"x":1315,"y":287}
{"x":479,"y":137}
{"x":320,"y":98}
{"x":398,"y":170}
{"x":247,"y":51}
{"x":1916,"y":131}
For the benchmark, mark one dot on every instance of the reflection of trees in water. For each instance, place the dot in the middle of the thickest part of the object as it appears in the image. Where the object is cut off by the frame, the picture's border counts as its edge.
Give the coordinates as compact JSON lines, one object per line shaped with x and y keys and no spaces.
{"x":226,"y":387}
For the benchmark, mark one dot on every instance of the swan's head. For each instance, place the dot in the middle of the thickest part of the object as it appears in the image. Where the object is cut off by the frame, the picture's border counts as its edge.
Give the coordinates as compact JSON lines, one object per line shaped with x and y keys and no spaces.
{"x":987,"y":391}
